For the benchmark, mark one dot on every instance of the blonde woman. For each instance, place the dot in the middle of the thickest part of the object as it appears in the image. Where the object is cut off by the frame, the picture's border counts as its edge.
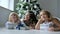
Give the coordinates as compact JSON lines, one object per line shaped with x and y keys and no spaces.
{"x":47,"y":22}
{"x":12,"y":21}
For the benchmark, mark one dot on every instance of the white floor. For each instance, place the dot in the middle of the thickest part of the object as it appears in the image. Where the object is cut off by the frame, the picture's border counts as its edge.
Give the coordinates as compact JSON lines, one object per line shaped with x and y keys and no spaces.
{"x":6,"y":31}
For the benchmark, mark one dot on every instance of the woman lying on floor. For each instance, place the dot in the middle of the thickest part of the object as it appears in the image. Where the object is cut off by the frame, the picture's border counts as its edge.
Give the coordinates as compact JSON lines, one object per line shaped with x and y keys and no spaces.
{"x":47,"y":22}
{"x":29,"y":21}
{"x":13,"y":22}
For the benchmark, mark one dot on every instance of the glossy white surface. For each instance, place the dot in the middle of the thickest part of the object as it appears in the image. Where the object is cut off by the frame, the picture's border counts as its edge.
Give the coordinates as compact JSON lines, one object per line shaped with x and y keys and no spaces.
{"x":6,"y":31}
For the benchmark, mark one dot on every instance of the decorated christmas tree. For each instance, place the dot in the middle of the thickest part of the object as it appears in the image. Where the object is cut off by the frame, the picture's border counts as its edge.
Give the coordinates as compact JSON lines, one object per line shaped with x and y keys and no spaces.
{"x":24,"y":5}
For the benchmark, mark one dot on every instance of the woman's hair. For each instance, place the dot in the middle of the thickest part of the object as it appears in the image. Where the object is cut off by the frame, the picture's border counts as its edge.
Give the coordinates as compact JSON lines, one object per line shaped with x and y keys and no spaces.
{"x":13,"y":13}
{"x":32,"y":18}
{"x":47,"y":13}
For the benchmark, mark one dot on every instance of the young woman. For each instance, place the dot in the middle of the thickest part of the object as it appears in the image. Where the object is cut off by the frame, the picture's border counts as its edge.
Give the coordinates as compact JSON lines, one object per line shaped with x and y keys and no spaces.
{"x":12,"y":21}
{"x":29,"y":20}
{"x":47,"y":22}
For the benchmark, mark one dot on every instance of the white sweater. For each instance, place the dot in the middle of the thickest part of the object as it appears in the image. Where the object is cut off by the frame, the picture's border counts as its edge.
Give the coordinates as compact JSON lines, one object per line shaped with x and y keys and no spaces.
{"x":10,"y":25}
{"x":45,"y":26}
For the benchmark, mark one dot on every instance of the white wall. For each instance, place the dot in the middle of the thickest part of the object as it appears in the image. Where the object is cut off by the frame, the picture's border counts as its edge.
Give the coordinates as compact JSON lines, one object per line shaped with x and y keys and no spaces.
{"x":58,"y":7}
{"x":3,"y":15}
{"x":51,"y":5}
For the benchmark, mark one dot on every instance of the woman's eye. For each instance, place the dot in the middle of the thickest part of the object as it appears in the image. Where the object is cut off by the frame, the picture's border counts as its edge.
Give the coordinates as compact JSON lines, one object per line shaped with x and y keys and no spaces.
{"x":40,"y":15}
{"x":14,"y":15}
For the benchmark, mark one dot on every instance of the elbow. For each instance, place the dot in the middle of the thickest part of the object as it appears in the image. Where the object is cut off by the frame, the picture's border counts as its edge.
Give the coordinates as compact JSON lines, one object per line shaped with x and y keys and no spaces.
{"x":37,"y":28}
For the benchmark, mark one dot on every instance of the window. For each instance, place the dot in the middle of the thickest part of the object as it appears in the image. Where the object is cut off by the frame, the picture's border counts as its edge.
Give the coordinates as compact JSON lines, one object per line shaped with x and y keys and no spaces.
{"x":9,"y":4}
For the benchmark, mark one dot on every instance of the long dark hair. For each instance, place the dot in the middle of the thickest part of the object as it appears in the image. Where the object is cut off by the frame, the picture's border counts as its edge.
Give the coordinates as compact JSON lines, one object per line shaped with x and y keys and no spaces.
{"x":32,"y":19}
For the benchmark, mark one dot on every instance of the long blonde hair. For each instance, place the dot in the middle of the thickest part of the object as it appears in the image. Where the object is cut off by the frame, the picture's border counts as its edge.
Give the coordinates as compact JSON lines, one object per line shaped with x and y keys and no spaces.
{"x":13,"y":13}
{"x":47,"y":13}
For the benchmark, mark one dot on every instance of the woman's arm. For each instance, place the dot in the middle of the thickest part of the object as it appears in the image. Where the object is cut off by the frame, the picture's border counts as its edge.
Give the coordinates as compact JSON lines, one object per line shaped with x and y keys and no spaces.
{"x":38,"y":24}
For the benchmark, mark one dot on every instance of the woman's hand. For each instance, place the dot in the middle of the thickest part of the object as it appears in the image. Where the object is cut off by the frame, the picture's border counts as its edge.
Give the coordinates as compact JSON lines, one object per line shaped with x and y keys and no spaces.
{"x":38,"y":24}
{"x":51,"y":29}
{"x":40,"y":21}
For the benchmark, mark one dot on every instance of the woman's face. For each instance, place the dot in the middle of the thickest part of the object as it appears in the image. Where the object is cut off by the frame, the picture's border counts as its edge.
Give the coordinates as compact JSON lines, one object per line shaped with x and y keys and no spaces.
{"x":14,"y":17}
{"x":43,"y":16}
{"x":27,"y":16}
